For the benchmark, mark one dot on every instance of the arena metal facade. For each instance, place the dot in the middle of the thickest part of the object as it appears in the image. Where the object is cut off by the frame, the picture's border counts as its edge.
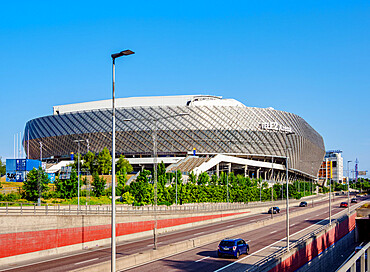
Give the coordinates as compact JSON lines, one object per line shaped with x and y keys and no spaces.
{"x":209,"y":124}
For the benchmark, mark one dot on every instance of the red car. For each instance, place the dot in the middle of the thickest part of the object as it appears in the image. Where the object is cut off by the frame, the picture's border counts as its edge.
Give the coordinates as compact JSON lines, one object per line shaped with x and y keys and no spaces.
{"x":343,"y":204}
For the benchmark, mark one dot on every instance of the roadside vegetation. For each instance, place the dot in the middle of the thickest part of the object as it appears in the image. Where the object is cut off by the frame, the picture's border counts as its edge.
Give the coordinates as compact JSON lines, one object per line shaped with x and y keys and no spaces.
{"x":204,"y":188}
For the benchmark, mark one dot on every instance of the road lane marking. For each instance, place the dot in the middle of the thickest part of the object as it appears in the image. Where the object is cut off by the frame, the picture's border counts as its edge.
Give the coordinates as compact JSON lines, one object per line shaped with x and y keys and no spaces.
{"x":202,"y":259}
{"x":198,"y":233}
{"x":273,"y":231}
{"x":292,"y":225}
{"x":87,"y":261}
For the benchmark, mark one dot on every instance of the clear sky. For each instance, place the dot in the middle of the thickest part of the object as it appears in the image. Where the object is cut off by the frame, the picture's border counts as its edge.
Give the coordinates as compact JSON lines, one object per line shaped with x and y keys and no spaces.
{"x":311,"y":58}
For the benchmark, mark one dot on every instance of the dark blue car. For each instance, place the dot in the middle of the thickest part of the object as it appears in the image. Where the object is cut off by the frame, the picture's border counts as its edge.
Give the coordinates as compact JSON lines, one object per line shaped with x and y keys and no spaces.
{"x":232,"y":247}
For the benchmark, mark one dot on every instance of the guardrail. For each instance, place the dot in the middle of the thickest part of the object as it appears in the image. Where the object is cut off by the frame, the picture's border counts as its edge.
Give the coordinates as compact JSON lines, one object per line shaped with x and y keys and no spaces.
{"x":351,"y":263}
{"x":14,"y":208}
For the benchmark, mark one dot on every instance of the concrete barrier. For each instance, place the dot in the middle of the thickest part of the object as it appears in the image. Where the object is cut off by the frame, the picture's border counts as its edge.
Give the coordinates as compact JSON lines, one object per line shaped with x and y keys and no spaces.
{"x":168,"y":250}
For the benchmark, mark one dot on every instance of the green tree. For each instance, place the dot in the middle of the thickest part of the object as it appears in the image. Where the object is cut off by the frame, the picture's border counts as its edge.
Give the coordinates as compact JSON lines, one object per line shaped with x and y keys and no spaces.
{"x":192,"y":178}
{"x":2,"y":168}
{"x":68,"y":188}
{"x":36,"y":181}
{"x":141,"y":189}
{"x":128,"y":198}
{"x":203,"y":178}
{"x":123,"y":165}
{"x":178,"y":175}
{"x":214,"y":179}
{"x":104,"y":162}
{"x":121,"y":182}
{"x":161,"y":175}
{"x":98,"y":184}
{"x":90,"y":162}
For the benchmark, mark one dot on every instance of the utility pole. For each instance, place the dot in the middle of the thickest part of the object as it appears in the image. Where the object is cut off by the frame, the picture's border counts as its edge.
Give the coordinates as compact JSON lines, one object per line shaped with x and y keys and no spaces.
{"x":272,"y":187}
{"x":176,"y":186}
{"x":155,"y":182}
{"x":39,"y":182}
{"x":287,"y":189}
{"x":227,"y":185}
{"x":78,"y":171}
{"x":348,"y":186}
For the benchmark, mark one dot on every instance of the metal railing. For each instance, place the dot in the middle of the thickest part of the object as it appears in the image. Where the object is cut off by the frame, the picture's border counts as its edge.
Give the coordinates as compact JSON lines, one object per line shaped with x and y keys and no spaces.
{"x":351,"y":263}
{"x":14,"y":208}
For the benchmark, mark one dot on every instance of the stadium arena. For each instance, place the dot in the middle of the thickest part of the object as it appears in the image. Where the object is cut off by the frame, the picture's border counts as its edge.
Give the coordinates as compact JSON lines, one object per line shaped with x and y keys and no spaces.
{"x":195,"y":133}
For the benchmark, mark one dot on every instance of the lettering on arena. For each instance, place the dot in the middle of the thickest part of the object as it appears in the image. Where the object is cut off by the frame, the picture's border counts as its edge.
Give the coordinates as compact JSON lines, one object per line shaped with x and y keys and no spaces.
{"x":275,"y":126}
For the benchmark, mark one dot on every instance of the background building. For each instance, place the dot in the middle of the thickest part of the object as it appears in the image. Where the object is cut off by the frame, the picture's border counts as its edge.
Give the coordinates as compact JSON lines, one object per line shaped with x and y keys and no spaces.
{"x":225,"y":135}
{"x":332,"y":166}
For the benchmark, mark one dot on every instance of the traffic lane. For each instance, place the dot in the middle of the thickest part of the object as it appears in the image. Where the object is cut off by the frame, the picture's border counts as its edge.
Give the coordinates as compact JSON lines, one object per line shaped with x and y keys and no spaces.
{"x":212,"y":263}
{"x":205,"y":258}
{"x":96,"y":256}
{"x":137,"y":246}
{"x":75,"y":261}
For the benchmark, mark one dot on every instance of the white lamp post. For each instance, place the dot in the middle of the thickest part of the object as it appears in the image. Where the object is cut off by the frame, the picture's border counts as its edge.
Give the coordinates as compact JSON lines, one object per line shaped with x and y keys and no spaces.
{"x":287,"y":190}
{"x":113,"y":222}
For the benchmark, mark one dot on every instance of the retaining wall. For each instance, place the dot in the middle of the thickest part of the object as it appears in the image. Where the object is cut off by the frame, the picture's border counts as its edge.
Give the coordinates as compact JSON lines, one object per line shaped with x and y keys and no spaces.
{"x":60,"y":234}
{"x":314,"y":246}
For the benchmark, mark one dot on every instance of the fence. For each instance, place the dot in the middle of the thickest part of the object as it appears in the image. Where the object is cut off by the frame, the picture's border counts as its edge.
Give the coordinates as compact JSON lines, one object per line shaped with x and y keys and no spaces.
{"x":352,"y":263}
{"x":14,"y":208}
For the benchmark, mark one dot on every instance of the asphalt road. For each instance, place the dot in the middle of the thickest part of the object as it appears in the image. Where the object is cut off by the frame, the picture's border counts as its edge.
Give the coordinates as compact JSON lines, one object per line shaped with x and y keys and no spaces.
{"x":200,"y":259}
{"x":205,"y":258}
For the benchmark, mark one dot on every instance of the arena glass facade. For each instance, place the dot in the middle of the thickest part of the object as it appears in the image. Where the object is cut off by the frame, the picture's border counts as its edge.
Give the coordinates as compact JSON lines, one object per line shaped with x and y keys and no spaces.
{"x":209,"y":124}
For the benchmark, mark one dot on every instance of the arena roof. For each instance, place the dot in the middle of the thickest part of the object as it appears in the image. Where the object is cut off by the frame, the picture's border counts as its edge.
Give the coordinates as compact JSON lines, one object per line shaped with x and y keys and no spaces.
{"x":148,"y":101}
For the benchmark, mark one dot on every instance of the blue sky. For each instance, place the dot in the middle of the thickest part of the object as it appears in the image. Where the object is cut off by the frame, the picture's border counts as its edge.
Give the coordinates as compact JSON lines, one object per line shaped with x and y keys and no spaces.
{"x":306,"y":57}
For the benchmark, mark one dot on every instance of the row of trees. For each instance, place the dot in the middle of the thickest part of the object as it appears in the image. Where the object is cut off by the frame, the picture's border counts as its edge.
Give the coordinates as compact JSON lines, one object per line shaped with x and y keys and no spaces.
{"x":101,"y":163}
{"x":204,"y":188}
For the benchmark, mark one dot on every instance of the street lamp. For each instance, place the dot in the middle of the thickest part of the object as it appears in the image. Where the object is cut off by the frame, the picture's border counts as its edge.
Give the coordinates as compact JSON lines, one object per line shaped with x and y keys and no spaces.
{"x":78,"y":171}
{"x":38,"y":178}
{"x":348,"y":184}
{"x":272,"y":187}
{"x":287,"y":190}
{"x":113,"y":221}
{"x":155,"y":155}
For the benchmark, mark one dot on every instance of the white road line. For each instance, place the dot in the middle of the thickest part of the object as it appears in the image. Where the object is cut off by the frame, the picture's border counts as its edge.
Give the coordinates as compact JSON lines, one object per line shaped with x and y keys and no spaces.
{"x":87,"y":261}
{"x":202,"y":259}
{"x":198,"y":233}
{"x":230,"y":264}
{"x":153,"y":244}
{"x":273,"y":231}
{"x":292,"y":225}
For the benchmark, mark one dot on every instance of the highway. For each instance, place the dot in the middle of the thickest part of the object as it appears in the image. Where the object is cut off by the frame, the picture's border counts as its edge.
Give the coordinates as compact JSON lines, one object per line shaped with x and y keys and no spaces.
{"x":205,"y":258}
{"x":199,"y":259}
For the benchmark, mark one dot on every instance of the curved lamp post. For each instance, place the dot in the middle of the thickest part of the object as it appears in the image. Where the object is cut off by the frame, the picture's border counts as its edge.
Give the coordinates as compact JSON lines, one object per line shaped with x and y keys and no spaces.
{"x":113,"y":221}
